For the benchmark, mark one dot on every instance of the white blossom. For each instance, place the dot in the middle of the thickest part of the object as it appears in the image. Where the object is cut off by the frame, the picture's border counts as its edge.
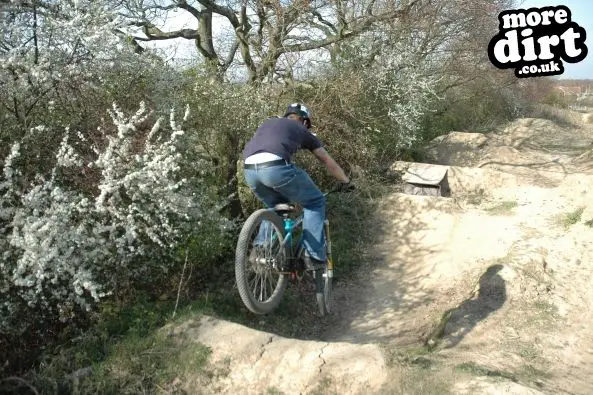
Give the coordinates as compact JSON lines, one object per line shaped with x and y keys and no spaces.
{"x":63,"y":250}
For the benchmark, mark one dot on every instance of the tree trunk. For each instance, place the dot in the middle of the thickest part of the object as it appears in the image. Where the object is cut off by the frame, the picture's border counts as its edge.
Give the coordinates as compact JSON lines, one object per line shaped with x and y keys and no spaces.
{"x":205,"y":46}
{"x":234,"y":208}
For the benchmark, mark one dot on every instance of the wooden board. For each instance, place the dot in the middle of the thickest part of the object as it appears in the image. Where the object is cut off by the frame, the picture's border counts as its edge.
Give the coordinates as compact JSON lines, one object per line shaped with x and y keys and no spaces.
{"x":425,"y":174}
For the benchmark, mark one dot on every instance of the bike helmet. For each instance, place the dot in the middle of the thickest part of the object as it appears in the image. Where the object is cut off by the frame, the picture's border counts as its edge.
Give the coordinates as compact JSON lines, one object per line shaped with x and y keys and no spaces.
{"x":300,"y":110}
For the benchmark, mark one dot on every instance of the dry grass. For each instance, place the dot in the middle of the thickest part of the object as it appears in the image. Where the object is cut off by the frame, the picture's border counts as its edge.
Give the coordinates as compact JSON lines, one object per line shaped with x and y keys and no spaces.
{"x":571,"y":218}
{"x":420,"y":381}
{"x":502,"y":208}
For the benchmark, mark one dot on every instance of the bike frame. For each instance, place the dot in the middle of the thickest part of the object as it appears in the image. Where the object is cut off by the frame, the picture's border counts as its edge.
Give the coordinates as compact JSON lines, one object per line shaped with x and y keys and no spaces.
{"x":291,"y":224}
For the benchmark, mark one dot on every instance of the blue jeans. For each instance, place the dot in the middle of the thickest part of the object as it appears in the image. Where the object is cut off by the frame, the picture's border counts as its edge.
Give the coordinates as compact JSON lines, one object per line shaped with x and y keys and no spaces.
{"x":287,"y":184}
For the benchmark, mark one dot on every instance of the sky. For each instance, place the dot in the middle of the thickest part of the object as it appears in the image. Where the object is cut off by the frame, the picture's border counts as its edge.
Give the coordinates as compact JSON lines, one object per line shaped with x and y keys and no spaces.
{"x":582,"y":14}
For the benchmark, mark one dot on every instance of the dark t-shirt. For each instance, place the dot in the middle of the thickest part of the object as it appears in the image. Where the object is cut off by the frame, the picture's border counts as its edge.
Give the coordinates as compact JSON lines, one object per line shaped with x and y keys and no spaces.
{"x":281,"y":136}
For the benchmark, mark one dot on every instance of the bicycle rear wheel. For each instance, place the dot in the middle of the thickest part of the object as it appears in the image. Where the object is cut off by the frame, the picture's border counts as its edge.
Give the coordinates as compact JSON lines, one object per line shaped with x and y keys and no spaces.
{"x":260,"y":284}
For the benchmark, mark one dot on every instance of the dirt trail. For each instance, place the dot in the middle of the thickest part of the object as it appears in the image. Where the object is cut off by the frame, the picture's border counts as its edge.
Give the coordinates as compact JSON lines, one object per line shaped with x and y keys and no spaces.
{"x":506,"y":262}
{"x":509,"y":253}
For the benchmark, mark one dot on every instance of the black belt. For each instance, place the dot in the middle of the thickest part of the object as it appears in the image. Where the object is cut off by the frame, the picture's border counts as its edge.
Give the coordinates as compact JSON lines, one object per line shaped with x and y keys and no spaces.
{"x":279,"y":162}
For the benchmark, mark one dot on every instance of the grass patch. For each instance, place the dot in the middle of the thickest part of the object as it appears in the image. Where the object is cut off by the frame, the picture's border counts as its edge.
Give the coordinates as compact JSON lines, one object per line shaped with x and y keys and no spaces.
{"x":525,"y":373}
{"x":145,"y":365}
{"x":571,"y":218}
{"x":529,"y":352}
{"x":351,"y":216}
{"x":123,"y":352}
{"x":474,"y":197}
{"x":545,"y":308}
{"x":589,"y":223}
{"x":502,"y":208}
{"x":324,"y":386}
{"x":531,"y":373}
{"x":419,"y":381}
{"x":542,"y":314}
{"x":411,"y":356}
{"x":477,"y":197}
{"x":475,"y":369}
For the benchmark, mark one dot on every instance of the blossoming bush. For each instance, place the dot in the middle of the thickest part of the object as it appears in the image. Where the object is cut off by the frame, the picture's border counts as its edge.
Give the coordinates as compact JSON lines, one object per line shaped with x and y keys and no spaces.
{"x":369,"y":116}
{"x":64,"y":249}
{"x":229,"y":116}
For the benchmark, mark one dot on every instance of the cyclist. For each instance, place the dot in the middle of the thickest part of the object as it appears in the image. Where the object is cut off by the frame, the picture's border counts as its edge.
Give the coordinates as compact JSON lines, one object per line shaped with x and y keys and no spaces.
{"x":274,"y":179}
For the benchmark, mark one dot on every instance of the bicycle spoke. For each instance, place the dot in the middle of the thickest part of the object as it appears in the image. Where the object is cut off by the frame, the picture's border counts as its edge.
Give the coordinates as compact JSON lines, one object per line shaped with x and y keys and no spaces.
{"x":253,"y":284}
{"x":271,"y":285}
{"x":266,"y":281}
{"x":256,"y":281}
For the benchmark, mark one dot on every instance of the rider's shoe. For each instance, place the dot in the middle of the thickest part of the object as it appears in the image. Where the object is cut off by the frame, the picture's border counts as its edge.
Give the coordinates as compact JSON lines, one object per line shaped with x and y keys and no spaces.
{"x":312,"y":264}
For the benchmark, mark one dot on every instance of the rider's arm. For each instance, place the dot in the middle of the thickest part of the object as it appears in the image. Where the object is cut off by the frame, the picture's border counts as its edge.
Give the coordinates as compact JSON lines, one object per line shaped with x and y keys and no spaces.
{"x":331,"y":164}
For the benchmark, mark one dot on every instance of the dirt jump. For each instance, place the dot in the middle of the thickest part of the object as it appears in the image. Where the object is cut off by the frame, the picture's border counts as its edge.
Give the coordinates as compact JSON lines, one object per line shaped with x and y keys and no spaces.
{"x":485,"y":291}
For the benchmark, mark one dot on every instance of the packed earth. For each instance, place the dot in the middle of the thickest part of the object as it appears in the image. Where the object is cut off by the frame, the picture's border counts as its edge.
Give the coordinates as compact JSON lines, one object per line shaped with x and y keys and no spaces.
{"x":484,"y":291}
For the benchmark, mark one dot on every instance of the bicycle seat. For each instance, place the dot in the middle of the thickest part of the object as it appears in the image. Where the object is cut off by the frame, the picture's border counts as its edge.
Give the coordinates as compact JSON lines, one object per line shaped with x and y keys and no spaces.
{"x":284,"y":208}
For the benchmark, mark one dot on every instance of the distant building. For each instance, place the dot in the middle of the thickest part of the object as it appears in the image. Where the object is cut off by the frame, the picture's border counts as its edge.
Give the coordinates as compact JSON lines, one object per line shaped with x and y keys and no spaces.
{"x":579,"y":91}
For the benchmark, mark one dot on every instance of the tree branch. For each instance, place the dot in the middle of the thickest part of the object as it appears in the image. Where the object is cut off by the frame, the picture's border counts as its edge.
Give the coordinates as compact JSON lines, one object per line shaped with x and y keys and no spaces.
{"x":191,"y":9}
{"x":154,"y":33}
{"x":361,"y":26}
{"x":369,"y":9}
{"x":323,"y":21}
{"x":134,"y":40}
{"x":231,"y":56}
{"x":35,"y":40}
{"x":227,"y":12}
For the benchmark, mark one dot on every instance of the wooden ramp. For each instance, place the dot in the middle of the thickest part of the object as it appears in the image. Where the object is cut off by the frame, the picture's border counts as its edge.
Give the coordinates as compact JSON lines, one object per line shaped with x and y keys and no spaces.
{"x":425,"y":179}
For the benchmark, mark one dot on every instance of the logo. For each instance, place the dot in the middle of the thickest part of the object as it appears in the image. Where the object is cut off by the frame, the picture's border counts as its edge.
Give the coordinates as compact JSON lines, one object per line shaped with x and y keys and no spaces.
{"x":535,"y":42}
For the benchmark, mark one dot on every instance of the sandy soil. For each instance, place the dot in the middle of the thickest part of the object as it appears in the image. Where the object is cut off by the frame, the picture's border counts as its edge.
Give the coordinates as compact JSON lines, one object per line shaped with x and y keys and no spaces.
{"x":492,"y":284}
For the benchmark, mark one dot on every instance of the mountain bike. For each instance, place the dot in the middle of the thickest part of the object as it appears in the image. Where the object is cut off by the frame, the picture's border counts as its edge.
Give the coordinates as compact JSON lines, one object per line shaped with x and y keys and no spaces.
{"x":266,"y":260}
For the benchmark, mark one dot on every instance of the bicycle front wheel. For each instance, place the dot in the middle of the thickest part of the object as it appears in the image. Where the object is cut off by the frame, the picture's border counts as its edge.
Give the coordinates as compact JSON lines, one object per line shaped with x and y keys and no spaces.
{"x":323,"y":279}
{"x":323,"y":290}
{"x":260,"y":284}
{"x":327,"y":289}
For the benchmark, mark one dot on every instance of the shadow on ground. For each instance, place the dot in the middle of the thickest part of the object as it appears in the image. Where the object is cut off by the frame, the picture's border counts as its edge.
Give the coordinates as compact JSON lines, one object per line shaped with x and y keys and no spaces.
{"x":375,"y":306}
{"x":489,"y":298}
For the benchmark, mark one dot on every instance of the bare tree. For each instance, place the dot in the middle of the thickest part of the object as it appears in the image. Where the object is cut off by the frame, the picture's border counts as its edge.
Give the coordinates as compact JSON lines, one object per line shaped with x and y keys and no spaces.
{"x":262,"y":30}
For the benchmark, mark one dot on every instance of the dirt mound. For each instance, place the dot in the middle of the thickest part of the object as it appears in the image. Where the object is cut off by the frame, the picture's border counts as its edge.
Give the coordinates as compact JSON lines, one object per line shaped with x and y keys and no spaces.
{"x":538,"y":151}
{"x":485,"y":292}
{"x":257,"y":362}
{"x":465,"y":182}
{"x":456,"y":148}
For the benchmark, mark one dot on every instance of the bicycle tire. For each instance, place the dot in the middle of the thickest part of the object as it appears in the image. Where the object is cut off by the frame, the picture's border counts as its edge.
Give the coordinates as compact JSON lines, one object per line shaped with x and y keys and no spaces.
{"x":241,"y":261}
{"x":320,"y":291}
{"x":327,"y":291}
{"x":323,"y":282}
{"x":323,"y":291}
